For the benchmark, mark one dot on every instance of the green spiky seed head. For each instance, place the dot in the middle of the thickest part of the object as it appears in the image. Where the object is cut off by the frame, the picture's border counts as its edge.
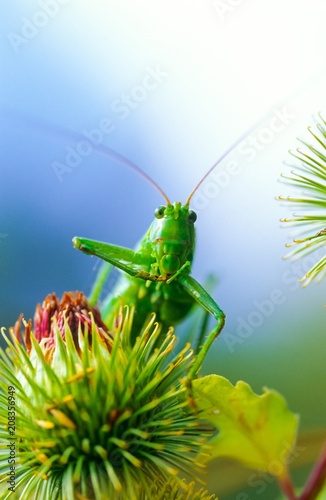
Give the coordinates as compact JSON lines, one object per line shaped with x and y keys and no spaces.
{"x":94,"y":417}
{"x":309,"y":179}
{"x":172,"y":490}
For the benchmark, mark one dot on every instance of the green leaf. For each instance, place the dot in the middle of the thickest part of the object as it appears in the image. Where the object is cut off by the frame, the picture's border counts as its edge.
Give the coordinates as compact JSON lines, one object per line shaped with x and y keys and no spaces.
{"x":259,"y":431}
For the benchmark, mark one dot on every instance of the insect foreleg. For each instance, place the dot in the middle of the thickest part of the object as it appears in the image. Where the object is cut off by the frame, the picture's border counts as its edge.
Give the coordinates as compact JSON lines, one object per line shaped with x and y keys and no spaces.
{"x":208,"y":303}
{"x":179,"y":271}
{"x":129,"y":261}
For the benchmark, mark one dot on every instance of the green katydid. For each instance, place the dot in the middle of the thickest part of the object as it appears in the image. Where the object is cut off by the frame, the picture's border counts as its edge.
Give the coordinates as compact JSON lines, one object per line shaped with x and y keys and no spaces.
{"x":156,"y":275}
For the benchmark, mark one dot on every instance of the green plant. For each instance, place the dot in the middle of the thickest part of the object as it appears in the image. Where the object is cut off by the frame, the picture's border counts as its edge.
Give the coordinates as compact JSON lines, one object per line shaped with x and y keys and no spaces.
{"x":92,"y":409}
{"x":309,"y":179}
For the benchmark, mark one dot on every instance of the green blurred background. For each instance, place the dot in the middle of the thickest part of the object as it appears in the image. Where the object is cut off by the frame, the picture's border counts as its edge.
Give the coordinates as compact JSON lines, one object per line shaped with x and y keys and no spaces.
{"x":177,"y":83}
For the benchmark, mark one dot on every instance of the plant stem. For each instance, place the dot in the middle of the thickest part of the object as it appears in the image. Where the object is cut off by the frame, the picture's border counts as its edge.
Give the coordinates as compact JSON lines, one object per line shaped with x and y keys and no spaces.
{"x":317,"y":478}
{"x":286,"y":486}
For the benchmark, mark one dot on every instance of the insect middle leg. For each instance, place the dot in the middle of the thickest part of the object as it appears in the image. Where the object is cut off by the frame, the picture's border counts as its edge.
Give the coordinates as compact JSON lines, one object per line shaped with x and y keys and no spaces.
{"x":208,"y":303}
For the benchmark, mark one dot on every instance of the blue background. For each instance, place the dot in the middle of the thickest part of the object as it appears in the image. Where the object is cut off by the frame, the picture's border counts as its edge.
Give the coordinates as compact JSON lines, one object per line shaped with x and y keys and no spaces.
{"x":67,"y":65}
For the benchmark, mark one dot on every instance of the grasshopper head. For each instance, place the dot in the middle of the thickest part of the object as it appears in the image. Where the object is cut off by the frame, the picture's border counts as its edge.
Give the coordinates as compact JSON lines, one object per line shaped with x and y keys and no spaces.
{"x":172,"y":236}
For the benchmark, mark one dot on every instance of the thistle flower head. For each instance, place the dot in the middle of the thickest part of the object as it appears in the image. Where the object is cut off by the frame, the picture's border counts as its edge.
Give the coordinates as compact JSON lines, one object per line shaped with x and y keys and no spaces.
{"x":96,"y":418}
{"x":73,"y":309}
{"x":310,"y":178}
{"x":173,"y":491}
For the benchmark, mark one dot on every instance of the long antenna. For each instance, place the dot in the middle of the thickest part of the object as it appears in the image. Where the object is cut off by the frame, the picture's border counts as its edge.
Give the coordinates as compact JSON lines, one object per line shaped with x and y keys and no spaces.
{"x":233,"y":145}
{"x":59,"y":131}
{"x":108,"y":152}
{"x":287,"y":99}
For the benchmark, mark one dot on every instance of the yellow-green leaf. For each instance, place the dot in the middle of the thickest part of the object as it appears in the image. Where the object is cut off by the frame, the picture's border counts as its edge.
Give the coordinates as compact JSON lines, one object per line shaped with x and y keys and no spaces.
{"x":259,"y":431}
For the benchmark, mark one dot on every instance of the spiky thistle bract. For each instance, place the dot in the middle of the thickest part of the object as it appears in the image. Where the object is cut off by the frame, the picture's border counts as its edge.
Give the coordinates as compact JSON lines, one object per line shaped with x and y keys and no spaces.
{"x":98,"y":422}
{"x":310,"y":178}
{"x":173,"y":491}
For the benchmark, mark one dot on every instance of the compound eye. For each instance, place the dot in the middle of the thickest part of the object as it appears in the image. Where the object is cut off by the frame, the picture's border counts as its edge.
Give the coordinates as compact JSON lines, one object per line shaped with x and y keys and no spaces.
{"x":159,"y":212}
{"x":192,"y":217}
